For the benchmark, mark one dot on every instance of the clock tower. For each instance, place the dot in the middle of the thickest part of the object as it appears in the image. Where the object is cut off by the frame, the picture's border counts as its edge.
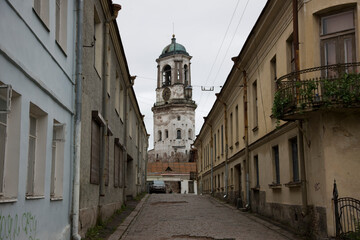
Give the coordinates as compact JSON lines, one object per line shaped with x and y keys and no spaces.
{"x":174,"y":109}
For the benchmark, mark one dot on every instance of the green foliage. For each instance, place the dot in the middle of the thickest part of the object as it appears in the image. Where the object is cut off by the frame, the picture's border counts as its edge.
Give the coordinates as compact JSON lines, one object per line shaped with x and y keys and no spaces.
{"x":281,"y":102}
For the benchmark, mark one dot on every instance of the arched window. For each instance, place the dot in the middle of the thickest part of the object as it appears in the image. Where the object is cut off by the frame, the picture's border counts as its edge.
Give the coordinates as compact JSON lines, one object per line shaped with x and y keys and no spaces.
{"x":186,"y":75}
{"x":178,"y":134}
{"x":178,"y":118}
{"x":159,"y":135}
{"x":166,"y":133}
{"x":190,"y":134}
{"x":167,"y":75}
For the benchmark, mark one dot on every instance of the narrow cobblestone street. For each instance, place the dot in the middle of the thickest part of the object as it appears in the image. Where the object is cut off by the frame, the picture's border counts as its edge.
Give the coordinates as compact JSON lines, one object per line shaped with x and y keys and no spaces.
{"x":175,"y":216}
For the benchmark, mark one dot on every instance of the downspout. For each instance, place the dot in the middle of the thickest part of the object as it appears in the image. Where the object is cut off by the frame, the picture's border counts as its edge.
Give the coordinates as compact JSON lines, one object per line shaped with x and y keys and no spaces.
{"x":77,"y":138}
{"x":211,"y":155}
{"x":246,"y":139}
{"x":299,"y":122}
{"x":226,"y":146}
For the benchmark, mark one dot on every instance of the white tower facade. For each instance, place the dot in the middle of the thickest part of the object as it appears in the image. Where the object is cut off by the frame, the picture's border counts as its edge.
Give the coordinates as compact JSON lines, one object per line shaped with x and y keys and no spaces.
{"x":174,"y":110}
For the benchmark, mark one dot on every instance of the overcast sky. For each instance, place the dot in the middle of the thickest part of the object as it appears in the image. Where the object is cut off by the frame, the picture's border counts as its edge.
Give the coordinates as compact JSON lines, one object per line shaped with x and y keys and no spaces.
{"x":211,"y":31}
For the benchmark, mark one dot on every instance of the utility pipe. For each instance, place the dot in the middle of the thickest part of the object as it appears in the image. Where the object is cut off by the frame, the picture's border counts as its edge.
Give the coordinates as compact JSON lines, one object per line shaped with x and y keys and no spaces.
{"x":211,"y":154}
{"x":299,"y":122}
{"x":77,"y":138}
{"x":246,"y":139}
{"x":226,"y":145}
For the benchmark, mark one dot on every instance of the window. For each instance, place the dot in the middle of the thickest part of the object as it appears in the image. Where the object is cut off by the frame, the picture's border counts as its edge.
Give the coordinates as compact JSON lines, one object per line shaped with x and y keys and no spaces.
{"x":218,"y":143}
{"x":231,"y":176}
{"x":166,"y":133}
{"x":255,"y":104}
{"x":10,"y":121}
{"x":222,"y":139}
{"x":118,"y":164}
{"x":294,"y":159}
{"x":276,"y":165}
{"x":130,"y":122}
{"x":290,"y":54}
{"x":273,"y":77}
{"x":237,"y":123}
{"x":98,"y":39}
{"x":178,"y":134}
{"x":190,"y":134}
{"x":159,"y":135}
{"x":215,"y":145}
{"x":117,"y":93}
{"x":96,"y":124}
{"x":121,"y":102}
{"x":256,"y":168}
{"x":186,"y":75}
{"x":337,"y":39}
{"x":36,"y":152}
{"x":231,"y":129}
{"x":57,"y":162}
{"x":60,"y":23}
{"x":167,"y":75}
{"x":95,"y":152}
{"x":178,"y":118}
{"x":41,"y":8}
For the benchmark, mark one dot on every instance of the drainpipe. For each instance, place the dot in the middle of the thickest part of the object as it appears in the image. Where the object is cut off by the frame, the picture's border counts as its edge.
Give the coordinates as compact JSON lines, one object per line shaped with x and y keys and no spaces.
{"x":299,"y":122}
{"x":226,"y":146}
{"x":211,"y":155}
{"x":246,"y":139}
{"x":77,"y":138}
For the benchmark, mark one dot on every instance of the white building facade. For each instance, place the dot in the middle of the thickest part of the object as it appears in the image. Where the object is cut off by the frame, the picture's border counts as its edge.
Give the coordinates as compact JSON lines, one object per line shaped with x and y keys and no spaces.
{"x":36,"y":118}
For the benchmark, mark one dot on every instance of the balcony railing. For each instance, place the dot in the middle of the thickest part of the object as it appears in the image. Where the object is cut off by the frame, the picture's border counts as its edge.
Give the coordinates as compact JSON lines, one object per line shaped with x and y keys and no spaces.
{"x":325,"y":87}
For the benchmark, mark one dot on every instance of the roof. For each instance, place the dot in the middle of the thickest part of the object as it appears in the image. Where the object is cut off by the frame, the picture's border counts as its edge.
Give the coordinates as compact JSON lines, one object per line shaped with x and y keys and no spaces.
{"x":157,"y":168}
{"x":173,"y":48}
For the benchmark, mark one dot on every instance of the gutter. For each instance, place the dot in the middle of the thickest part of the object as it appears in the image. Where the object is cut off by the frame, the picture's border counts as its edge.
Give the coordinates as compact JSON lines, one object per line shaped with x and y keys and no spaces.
{"x":77,"y":138}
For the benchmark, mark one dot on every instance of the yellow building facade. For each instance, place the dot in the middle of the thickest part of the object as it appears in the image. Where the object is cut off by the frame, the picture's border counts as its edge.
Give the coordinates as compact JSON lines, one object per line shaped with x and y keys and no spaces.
{"x":285,"y":169}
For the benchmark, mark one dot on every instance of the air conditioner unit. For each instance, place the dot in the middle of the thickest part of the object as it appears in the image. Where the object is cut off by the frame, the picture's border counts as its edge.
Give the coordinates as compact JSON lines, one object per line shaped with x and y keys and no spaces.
{"x":5,"y":98}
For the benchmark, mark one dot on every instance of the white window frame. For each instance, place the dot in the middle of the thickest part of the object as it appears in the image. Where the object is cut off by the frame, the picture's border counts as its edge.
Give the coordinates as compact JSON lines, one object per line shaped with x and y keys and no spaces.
{"x":57,"y":163}
{"x":61,"y":23}
{"x":41,"y":8}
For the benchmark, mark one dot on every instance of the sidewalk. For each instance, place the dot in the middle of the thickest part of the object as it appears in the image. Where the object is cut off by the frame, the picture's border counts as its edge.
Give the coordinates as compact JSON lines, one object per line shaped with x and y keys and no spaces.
{"x":267,"y":223}
{"x":126,"y":223}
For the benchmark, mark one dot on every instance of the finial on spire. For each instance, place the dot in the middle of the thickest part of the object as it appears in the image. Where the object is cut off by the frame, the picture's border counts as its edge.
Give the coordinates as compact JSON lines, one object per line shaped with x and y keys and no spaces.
{"x":173,"y":35}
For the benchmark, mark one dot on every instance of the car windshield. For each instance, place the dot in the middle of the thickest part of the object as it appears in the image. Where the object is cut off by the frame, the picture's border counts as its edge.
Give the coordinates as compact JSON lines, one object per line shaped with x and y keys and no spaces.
{"x":159,"y":183}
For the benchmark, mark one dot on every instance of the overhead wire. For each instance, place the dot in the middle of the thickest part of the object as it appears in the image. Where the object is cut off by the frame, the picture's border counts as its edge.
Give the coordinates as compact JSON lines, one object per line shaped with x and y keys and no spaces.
{"x":221,"y":45}
{"x":232,"y":39}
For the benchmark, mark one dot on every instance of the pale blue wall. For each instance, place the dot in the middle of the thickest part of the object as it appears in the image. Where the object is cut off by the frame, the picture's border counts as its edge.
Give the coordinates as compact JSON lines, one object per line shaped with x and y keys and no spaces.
{"x":41,"y":73}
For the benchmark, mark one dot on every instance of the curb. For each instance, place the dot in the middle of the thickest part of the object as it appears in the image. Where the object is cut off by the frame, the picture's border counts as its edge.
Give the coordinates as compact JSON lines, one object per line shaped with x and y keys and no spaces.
{"x":121,"y":229}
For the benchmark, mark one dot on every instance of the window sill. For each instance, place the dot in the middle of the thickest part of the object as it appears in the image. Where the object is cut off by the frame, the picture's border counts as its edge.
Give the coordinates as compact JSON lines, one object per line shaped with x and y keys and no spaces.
{"x":56,"y":198}
{"x":275,"y":186}
{"x":293,"y":184}
{"x":255,"y":129}
{"x":41,"y":20}
{"x":34,"y":197}
{"x":256,"y":188}
{"x":8,"y":199}
{"x":61,"y":48}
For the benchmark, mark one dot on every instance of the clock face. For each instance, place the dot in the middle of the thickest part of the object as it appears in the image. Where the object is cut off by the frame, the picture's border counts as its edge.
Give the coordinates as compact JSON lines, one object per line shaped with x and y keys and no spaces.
{"x":166,"y":94}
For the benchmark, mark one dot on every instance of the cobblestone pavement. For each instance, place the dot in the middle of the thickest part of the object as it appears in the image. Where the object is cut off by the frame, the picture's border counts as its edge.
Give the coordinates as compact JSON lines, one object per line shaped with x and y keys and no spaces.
{"x":179,"y":217}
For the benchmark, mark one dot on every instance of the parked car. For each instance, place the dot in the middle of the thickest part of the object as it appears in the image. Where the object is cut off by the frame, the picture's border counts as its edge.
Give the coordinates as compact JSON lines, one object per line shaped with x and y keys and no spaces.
{"x":158,"y":187}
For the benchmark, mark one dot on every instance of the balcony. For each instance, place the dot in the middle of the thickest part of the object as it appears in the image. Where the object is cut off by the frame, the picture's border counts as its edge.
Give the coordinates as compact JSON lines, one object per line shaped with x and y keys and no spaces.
{"x":321,"y":88}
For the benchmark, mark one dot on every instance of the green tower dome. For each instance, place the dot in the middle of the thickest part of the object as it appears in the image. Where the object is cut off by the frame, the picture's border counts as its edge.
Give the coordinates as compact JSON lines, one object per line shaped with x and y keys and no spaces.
{"x":173,"y":48}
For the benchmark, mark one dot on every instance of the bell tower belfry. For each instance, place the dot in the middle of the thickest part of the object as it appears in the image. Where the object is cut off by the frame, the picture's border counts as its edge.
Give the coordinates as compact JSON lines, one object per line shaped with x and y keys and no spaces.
{"x":174,"y":109}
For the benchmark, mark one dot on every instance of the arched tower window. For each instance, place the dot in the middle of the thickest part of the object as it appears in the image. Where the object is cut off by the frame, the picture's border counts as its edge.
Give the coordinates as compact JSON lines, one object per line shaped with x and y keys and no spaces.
{"x":167,"y":75}
{"x":178,"y":134}
{"x":186,"y":70}
{"x":159,"y":135}
{"x":190,"y":134}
